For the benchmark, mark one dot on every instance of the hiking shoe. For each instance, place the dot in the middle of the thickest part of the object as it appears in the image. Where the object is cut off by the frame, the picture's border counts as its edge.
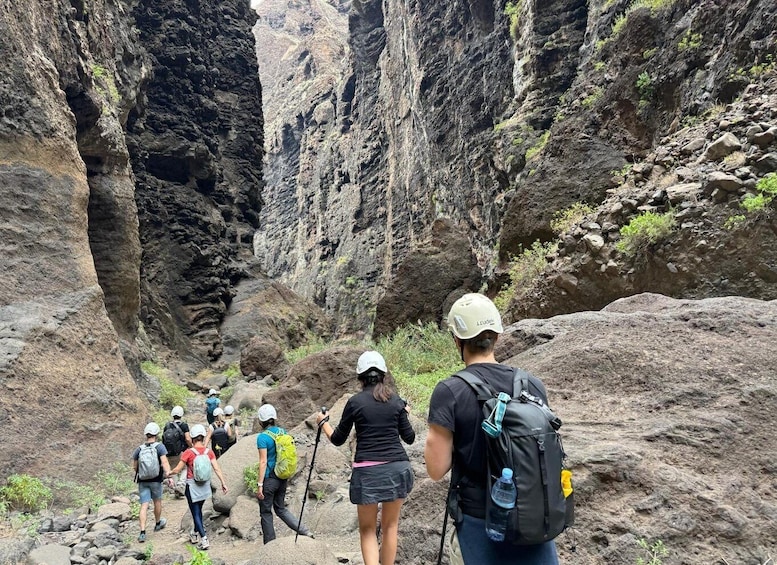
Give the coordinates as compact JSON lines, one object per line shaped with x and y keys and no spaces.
{"x":161,"y":524}
{"x":142,"y":537}
{"x":194,"y":537}
{"x":307,"y":533}
{"x":204,"y":543}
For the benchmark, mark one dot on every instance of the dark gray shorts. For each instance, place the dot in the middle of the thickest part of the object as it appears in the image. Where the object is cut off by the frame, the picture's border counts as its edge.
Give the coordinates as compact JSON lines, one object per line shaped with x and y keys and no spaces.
{"x":381,"y":483}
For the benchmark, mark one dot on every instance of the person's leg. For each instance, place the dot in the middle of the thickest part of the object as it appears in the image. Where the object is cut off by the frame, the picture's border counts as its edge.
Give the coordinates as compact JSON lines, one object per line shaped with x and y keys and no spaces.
{"x":196,"y":510}
{"x":279,"y":505}
{"x":368,"y":535}
{"x":265,"y":508}
{"x":389,"y":520}
{"x":144,"y":491}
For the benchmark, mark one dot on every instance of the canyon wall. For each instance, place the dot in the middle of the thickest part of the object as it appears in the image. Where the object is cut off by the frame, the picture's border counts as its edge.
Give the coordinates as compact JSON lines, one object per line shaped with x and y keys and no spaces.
{"x":489,"y":116}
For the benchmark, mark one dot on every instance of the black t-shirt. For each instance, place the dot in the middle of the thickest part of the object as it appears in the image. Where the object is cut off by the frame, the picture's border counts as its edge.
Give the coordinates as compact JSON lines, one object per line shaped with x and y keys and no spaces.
{"x":379,"y":425}
{"x":455,"y":407}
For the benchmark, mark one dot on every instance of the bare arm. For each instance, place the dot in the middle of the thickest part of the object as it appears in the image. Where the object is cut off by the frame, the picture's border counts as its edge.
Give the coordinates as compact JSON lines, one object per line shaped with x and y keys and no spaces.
{"x":260,"y":475}
{"x":187,"y":436}
{"x":165,"y":465}
{"x":217,"y":468}
{"x":438,"y":451}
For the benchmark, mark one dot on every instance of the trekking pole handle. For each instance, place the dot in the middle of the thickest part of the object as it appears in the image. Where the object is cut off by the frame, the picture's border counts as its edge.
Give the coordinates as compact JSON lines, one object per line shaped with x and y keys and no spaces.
{"x":324,"y":411}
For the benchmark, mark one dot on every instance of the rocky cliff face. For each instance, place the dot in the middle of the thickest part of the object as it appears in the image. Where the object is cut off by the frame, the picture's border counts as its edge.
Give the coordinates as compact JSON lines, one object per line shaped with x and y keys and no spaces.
{"x":71,"y":252}
{"x":196,"y":147}
{"x":492,"y":115}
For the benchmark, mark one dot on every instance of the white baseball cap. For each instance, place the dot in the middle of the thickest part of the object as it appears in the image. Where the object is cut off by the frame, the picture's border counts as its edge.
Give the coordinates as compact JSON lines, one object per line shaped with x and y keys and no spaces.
{"x":198,"y":430}
{"x":218,"y":412}
{"x":267,"y":412}
{"x":213,"y":391}
{"x":152,"y":429}
{"x":177,"y":411}
{"x":229,"y":410}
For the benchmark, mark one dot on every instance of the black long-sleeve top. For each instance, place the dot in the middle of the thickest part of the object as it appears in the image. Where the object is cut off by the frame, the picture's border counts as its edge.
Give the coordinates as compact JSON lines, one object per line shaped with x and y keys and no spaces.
{"x":379,"y":425}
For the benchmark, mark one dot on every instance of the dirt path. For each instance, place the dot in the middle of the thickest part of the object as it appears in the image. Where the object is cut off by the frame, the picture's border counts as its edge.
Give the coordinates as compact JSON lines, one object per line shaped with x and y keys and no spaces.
{"x":172,"y":539}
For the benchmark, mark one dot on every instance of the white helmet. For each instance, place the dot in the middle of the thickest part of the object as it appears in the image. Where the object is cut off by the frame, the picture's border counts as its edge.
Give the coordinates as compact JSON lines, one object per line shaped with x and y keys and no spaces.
{"x":371,"y":360}
{"x":229,"y":410}
{"x":266,"y":413}
{"x":176,"y":412}
{"x":472,"y":314}
{"x":218,"y":412}
{"x":152,"y":429}
{"x":198,"y":430}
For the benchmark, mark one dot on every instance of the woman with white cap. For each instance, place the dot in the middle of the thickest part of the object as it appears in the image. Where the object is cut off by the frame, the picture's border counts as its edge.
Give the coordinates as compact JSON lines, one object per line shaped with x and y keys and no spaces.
{"x":271,"y":490}
{"x":211,"y":403}
{"x":197,"y":487}
{"x":381,"y":469}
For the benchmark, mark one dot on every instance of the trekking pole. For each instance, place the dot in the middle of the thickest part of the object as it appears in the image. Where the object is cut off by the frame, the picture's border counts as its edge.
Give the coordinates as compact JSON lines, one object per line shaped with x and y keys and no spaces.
{"x":310,"y":472}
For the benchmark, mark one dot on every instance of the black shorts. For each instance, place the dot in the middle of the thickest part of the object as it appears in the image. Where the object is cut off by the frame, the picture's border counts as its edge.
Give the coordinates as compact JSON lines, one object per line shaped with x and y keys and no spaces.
{"x":381,"y":483}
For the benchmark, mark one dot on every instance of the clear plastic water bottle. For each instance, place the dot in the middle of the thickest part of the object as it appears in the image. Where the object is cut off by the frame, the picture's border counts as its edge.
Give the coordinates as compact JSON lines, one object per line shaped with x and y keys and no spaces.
{"x":503,"y":495}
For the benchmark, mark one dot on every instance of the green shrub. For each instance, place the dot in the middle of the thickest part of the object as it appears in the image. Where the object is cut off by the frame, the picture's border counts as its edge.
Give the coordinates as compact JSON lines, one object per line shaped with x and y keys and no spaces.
{"x":25,"y":493}
{"x":593,"y":98}
{"x":172,"y":394}
{"x":645,"y":85}
{"x":117,"y":481}
{"x":648,"y":53}
{"x":734,"y":222}
{"x":563,"y":220}
{"x":767,"y":191}
{"x":251,"y":477}
{"x":153,"y":369}
{"x":513,"y":11}
{"x":418,"y":357}
{"x":653,"y":553}
{"x":198,"y":557}
{"x":524,"y":269}
{"x":646,"y":229}
{"x":314,"y":345}
{"x":689,"y":41}
{"x":539,"y":146}
{"x":233,"y":371}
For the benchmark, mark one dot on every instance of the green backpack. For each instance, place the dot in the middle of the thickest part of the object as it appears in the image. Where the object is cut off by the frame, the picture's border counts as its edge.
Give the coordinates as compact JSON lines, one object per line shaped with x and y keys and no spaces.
{"x":285,"y":454}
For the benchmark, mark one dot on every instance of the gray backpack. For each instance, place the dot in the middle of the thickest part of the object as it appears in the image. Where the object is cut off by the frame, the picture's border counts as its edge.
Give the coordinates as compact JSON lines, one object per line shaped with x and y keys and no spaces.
{"x":521,"y":434}
{"x":148,"y":462}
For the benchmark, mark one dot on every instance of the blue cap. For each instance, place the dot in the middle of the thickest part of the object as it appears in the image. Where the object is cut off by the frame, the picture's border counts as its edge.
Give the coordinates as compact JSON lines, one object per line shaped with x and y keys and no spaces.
{"x":507,"y":474}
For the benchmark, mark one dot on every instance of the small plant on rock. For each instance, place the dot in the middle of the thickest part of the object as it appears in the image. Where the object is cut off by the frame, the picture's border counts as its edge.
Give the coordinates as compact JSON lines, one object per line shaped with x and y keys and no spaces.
{"x":251,"y":477}
{"x":653,"y":552}
{"x":524,"y":269}
{"x":645,"y":86}
{"x":539,"y":146}
{"x":199,"y":557}
{"x":563,"y":220}
{"x":513,"y":11}
{"x":766,"y":192}
{"x":690,"y":41}
{"x":644,"y":230}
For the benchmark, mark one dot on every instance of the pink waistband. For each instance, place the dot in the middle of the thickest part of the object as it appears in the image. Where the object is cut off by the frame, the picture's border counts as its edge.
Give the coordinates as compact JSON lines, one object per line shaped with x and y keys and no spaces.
{"x":368,"y":464}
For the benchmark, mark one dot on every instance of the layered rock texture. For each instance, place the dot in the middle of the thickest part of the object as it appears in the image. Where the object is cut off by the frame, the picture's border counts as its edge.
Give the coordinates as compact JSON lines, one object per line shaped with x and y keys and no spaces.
{"x":102,"y":230}
{"x":71,"y":253}
{"x":196,"y":146}
{"x":493,"y":116}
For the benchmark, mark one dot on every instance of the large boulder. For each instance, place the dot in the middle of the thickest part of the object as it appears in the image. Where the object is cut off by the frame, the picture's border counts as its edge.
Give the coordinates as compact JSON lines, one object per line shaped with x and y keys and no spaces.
{"x":315,"y":381}
{"x":263,"y":356}
{"x":241,"y":455}
{"x":286,"y":551}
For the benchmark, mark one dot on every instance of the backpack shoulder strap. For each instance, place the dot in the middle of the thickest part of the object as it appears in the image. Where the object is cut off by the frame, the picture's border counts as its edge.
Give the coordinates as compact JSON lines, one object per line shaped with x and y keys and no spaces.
{"x":520,"y":381}
{"x":482,"y":390}
{"x":177,"y":426}
{"x":273,"y":436}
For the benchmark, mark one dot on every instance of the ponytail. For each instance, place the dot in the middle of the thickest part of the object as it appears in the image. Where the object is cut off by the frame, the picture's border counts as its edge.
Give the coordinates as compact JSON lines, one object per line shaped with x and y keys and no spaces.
{"x":382,"y":391}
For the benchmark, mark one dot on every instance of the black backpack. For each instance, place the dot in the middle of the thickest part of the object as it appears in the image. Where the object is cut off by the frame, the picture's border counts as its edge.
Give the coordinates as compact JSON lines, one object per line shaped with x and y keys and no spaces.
{"x":521,"y":434}
{"x":220,"y":439}
{"x":174,"y":438}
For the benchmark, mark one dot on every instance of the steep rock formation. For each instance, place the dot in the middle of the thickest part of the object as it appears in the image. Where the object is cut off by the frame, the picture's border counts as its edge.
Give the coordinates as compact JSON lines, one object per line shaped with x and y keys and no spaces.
{"x":495,"y":115}
{"x":196,"y":146}
{"x":704,"y":177}
{"x":70,"y":286}
{"x":358,"y":204}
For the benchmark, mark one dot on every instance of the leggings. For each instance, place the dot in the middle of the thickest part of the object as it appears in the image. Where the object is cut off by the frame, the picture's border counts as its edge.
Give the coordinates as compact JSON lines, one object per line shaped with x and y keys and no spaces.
{"x":196,"y":509}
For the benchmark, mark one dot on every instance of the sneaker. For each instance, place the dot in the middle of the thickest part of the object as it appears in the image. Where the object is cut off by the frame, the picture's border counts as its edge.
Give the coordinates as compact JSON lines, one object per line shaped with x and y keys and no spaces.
{"x":161,"y":524}
{"x":142,"y":537}
{"x":307,"y":533}
{"x":194,"y":537}
{"x":204,"y":543}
